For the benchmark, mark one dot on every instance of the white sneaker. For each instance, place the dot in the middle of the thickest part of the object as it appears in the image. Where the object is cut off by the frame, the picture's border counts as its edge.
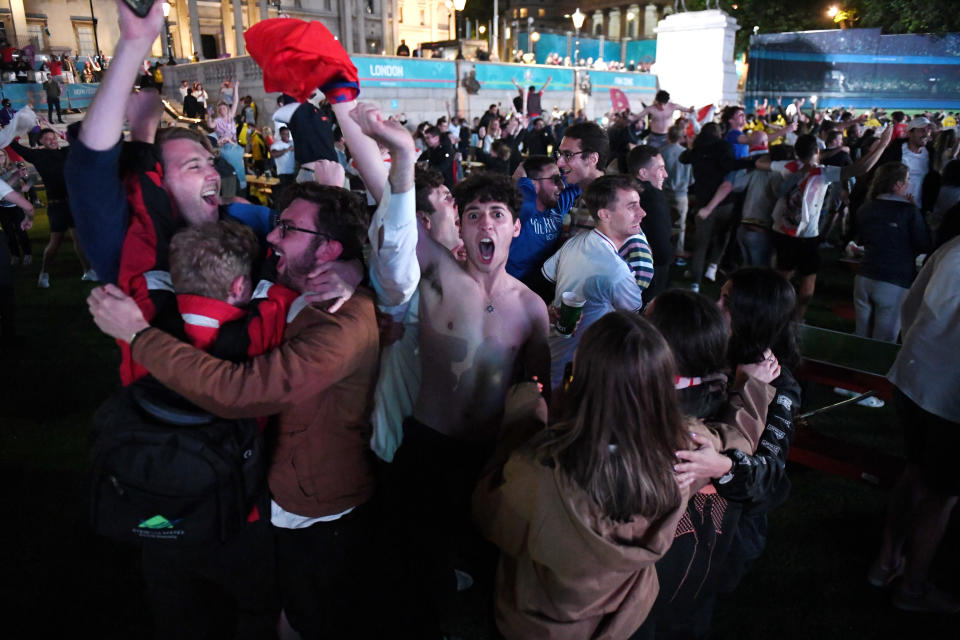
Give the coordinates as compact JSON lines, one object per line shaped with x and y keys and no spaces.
{"x":711,"y":273}
{"x":90,"y":276}
{"x":27,"y":261}
{"x":853,"y":250}
{"x":694,"y":287}
{"x":43,"y":282}
{"x":14,"y":260}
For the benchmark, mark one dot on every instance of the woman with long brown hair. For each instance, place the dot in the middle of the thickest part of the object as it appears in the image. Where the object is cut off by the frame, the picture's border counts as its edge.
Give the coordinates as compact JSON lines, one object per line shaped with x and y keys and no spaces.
{"x":583,"y":511}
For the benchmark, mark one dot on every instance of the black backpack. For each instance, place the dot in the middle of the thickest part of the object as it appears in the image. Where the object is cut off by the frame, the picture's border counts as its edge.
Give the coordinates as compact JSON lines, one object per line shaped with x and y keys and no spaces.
{"x":167,"y":472}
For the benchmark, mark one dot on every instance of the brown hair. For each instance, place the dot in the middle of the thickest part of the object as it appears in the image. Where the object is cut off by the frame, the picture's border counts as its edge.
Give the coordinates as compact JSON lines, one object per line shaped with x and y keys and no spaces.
{"x":603,"y":191}
{"x":425,"y":181}
{"x":593,"y":139}
{"x":205,"y":259}
{"x":168,"y":134}
{"x":887,"y":176}
{"x":623,"y":421}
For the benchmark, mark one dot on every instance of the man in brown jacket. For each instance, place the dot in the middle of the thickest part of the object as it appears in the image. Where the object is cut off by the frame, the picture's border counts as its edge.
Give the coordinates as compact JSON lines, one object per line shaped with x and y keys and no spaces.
{"x":318,"y":383}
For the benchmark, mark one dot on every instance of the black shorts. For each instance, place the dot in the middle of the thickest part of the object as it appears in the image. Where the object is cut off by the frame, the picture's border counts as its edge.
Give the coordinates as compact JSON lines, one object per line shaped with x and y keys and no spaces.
{"x":60,"y":217}
{"x":931,"y":443}
{"x":797,"y":254}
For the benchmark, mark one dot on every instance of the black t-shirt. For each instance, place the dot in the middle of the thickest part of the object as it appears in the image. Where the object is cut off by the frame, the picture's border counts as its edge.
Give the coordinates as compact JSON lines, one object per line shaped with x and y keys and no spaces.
{"x":312,"y":128}
{"x":533,"y":103}
{"x":656,"y":224}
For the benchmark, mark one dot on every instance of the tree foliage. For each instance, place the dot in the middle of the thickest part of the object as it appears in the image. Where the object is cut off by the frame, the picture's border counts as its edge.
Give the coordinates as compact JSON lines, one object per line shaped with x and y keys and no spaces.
{"x":908,"y":16}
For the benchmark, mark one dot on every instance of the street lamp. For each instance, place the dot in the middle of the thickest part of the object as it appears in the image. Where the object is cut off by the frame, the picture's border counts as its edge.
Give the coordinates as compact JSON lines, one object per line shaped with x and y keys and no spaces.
{"x":530,"y":34}
{"x":96,"y":43}
{"x":166,"y":29}
{"x":458,"y":6}
{"x":577,"y":17}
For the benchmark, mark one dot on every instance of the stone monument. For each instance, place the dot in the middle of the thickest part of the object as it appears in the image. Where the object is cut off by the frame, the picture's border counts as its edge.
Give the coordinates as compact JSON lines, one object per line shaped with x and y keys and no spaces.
{"x":695,"y":57}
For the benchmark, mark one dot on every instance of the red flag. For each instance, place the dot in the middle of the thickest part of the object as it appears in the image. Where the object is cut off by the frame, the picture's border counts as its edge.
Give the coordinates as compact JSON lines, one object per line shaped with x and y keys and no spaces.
{"x":701,"y":114}
{"x":297,"y":57}
{"x":619,"y":100}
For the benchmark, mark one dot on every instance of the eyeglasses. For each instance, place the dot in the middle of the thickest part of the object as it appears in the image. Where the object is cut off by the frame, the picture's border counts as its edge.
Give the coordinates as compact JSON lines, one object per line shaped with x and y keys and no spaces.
{"x":556,"y":179}
{"x":284,"y":226}
{"x":567,"y":155}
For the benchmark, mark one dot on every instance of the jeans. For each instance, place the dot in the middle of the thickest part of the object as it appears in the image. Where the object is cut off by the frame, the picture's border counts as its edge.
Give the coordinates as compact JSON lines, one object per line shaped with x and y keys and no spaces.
{"x":53,"y":103}
{"x":679,"y":205}
{"x":755,"y":245}
{"x":712,"y":235}
{"x":877,"y":306}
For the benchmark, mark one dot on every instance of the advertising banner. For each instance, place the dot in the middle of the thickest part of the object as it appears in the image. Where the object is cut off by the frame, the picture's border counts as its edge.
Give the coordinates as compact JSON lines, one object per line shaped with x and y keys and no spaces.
{"x":381,"y":71}
{"x":74,"y":96}
{"x":857,"y":68}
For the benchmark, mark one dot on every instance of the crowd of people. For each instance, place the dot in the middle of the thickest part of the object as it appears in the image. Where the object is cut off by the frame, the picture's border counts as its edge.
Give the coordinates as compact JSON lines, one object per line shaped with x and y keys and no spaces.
{"x":518,"y":56}
{"x":23,"y":65}
{"x":462,"y":348}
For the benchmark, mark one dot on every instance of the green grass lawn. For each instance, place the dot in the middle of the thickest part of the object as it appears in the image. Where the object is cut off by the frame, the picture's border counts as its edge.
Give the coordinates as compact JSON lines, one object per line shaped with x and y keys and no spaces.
{"x":60,"y":580}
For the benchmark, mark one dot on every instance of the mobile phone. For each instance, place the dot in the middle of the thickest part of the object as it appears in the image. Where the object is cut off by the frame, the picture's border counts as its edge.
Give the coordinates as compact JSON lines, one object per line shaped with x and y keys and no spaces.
{"x":140,"y":7}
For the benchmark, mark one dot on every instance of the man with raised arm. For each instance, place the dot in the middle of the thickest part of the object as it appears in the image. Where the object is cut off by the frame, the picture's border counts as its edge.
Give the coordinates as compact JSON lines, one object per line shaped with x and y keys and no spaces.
{"x":661,"y":117}
{"x":130,"y":198}
{"x":407,"y":197}
{"x":480,"y":331}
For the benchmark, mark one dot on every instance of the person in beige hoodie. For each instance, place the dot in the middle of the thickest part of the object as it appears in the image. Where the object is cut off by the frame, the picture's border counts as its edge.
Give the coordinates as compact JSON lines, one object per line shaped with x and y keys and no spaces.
{"x":583,"y":510}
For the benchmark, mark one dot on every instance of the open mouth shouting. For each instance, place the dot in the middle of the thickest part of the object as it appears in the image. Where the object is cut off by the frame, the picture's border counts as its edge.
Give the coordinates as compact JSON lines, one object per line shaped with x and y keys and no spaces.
{"x":211,"y":195}
{"x":281,"y":261}
{"x":486,"y":250}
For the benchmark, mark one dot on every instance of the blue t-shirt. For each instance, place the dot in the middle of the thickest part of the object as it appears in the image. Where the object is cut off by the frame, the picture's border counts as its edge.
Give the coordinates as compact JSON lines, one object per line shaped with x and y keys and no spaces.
{"x":539,"y":230}
{"x":739,"y":150}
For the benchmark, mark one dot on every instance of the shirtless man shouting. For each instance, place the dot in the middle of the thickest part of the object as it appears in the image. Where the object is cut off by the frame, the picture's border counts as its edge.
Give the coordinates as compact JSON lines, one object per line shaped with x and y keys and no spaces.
{"x":661,"y":117}
{"x":480,"y":330}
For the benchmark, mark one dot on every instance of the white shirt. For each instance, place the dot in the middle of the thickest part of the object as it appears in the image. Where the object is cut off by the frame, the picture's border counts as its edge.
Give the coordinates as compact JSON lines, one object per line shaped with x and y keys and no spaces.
{"x":285,"y":163}
{"x":918,"y":164}
{"x":394,"y":276}
{"x":926,"y":367}
{"x":815,"y":185}
{"x":588,"y":264}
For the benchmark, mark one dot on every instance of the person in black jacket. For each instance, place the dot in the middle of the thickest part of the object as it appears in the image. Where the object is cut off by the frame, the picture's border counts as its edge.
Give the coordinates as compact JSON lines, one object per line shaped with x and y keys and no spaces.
{"x":540,"y":138}
{"x":439,"y":155}
{"x":894,"y":233}
{"x":646,"y":165}
{"x":191,"y":106}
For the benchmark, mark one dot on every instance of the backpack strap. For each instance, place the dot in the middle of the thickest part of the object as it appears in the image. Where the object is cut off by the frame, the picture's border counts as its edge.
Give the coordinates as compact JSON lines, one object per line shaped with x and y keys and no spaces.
{"x":166,"y":412}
